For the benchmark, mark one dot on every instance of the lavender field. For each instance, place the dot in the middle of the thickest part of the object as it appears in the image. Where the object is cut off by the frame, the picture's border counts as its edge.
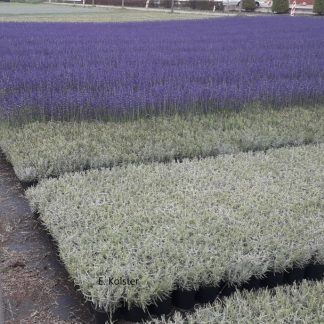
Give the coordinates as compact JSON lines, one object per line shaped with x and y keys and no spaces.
{"x":107,"y":71}
{"x":220,"y":188}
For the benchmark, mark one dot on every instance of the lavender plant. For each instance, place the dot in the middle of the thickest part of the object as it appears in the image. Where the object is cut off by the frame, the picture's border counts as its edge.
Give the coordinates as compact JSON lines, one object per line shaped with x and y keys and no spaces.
{"x":41,"y":150}
{"x":189,"y":224}
{"x":57,"y":71}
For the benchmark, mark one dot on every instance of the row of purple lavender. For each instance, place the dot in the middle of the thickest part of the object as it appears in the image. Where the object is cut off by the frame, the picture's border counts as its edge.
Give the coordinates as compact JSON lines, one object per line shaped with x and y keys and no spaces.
{"x":81,"y":71}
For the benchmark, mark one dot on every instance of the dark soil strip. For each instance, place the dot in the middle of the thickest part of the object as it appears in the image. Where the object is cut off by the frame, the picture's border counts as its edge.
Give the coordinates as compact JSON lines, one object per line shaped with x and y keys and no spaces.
{"x":34,"y":286}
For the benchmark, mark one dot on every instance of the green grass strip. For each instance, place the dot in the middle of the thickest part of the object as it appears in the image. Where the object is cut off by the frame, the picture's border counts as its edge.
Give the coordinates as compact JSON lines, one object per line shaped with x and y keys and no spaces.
{"x":301,"y":304}
{"x":33,"y":12}
{"x":191,"y":224}
{"x":40,"y":150}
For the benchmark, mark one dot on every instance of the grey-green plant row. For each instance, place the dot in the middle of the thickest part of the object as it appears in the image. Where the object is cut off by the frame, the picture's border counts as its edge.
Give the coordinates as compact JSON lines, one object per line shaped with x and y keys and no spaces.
{"x":40,"y":150}
{"x":189,"y":224}
{"x":302,"y":304}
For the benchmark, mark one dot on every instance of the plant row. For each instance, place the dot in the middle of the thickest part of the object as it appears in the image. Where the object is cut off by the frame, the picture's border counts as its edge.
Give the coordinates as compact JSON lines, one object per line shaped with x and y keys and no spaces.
{"x":117,"y":71}
{"x":288,"y":304}
{"x":41,"y":150}
{"x":187,"y":300}
{"x":186,"y":225}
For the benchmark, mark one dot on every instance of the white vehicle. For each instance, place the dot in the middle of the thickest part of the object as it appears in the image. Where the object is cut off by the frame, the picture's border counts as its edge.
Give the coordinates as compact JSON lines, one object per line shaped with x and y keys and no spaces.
{"x":237,"y":3}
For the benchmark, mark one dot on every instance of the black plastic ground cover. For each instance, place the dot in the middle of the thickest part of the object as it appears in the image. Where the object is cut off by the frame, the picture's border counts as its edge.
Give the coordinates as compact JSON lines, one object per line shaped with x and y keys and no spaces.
{"x":29,"y":184}
{"x":187,"y":299}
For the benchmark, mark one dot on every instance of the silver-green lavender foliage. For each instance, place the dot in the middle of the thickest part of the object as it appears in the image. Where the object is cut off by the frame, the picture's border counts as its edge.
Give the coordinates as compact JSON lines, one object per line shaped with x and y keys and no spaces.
{"x":192,"y":223}
{"x":40,"y":150}
{"x":302,"y":304}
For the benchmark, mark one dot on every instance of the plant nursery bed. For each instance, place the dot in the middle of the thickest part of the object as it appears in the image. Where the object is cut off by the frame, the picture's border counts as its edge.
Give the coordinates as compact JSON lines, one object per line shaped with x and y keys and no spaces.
{"x":41,"y":150}
{"x":142,"y":235}
{"x":187,"y":300}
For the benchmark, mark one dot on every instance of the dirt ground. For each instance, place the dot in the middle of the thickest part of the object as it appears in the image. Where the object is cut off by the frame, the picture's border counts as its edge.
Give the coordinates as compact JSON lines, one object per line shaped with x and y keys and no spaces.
{"x":34,"y":286}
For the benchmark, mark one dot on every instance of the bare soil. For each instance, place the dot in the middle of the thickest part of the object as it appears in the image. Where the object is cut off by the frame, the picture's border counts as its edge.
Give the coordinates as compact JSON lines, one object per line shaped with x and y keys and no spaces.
{"x":34,"y":286}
